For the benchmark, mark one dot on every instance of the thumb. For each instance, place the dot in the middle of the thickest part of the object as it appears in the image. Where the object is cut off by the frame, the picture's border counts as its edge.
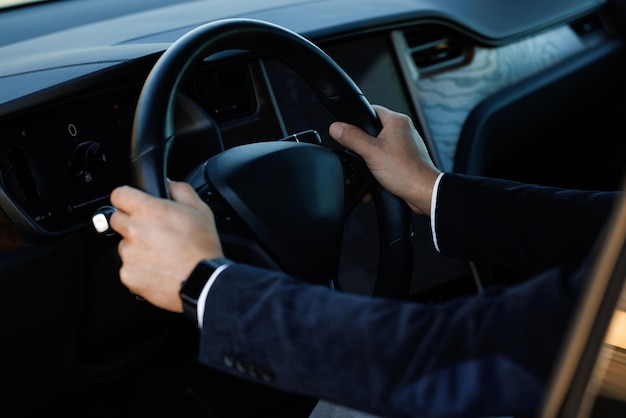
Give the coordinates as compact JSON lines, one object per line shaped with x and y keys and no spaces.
{"x":352,"y":137}
{"x":183,"y":193}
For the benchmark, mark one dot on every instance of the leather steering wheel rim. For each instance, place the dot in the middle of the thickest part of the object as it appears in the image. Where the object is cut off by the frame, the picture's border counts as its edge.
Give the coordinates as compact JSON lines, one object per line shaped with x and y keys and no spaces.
{"x":153,"y":129}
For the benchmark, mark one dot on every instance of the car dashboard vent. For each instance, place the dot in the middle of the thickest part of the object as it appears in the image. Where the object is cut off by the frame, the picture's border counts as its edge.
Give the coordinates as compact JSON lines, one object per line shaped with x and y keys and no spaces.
{"x":590,"y":27}
{"x":226,"y":94}
{"x":432,"y":50}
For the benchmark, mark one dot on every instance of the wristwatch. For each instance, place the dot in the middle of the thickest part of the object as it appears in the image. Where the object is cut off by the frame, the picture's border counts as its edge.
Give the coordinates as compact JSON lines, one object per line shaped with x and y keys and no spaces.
{"x":191,"y":288}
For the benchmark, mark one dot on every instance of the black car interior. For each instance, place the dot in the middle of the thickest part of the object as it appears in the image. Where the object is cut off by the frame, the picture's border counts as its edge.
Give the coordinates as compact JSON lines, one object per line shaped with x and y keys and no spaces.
{"x":75,"y":337}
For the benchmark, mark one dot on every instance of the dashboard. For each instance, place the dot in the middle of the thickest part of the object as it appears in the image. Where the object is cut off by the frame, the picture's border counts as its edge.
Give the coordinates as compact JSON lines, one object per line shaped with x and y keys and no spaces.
{"x":61,"y":160}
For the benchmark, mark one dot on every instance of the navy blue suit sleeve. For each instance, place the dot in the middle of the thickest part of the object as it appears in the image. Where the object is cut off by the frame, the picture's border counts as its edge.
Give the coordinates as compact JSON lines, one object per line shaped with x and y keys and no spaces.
{"x":486,"y":355}
{"x":528,"y":227}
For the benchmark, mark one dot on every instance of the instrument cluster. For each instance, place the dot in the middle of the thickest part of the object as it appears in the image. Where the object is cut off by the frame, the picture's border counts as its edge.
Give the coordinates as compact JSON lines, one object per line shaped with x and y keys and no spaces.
{"x":60,"y":163}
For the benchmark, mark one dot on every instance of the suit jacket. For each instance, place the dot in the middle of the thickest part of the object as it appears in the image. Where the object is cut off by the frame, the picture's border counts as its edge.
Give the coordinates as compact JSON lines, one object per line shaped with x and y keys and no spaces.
{"x":484,"y":355}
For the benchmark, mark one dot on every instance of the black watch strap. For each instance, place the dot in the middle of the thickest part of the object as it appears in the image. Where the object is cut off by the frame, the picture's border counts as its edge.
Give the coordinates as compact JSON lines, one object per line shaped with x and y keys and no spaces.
{"x":191,"y":288}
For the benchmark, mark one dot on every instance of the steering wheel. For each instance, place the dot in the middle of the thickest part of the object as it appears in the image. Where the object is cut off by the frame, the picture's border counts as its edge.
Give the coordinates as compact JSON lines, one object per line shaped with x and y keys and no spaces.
{"x":278,"y":204}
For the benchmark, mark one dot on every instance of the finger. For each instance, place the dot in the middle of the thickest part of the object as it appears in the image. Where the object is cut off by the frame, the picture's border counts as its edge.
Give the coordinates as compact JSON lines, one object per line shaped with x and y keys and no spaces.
{"x":184,"y":193}
{"x":352,"y":137}
{"x":119,"y":222}
{"x":128,"y":199}
{"x":384,"y":114}
{"x":356,"y":139}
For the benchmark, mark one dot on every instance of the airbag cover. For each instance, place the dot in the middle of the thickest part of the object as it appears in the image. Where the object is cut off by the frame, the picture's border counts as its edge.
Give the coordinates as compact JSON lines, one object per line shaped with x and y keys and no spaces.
{"x":291,"y":195}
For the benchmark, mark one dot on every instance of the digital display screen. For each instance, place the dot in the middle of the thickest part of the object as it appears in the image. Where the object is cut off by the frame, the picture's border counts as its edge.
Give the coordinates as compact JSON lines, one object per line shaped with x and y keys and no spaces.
{"x":367,"y":61}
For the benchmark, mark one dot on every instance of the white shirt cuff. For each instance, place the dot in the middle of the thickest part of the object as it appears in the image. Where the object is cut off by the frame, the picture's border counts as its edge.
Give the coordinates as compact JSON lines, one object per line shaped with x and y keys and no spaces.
{"x":205,"y":291}
{"x":433,"y":207}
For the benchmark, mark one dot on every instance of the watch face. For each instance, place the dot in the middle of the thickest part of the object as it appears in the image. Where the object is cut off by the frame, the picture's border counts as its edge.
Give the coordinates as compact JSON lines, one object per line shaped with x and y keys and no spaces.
{"x":192,"y":287}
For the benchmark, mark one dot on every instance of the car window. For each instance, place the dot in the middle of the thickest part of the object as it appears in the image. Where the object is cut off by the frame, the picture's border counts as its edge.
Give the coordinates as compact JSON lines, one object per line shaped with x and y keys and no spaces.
{"x":11,"y":3}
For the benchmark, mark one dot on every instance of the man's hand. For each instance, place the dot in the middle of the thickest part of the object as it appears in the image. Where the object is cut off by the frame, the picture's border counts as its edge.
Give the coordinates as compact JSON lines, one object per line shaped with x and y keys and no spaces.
{"x":162,"y":241}
{"x":397,"y":158}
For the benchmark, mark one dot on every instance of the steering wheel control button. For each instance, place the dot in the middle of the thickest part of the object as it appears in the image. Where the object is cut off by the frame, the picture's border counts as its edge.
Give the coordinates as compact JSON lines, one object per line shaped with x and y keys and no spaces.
{"x":101,"y":220}
{"x":309,"y":136}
